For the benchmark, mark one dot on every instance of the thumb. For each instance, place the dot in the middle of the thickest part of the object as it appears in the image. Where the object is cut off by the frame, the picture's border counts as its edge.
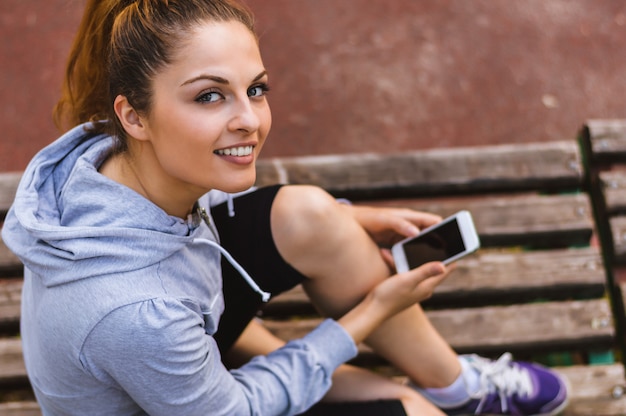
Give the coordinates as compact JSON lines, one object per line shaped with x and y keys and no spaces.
{"x":425,"y":272}
{"x":432,"y":269}
{"x":432,"y":274}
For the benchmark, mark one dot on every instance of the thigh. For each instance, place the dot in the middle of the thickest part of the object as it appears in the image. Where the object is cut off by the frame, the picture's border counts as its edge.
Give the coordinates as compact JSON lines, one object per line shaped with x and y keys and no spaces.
{"x":247,"y":236}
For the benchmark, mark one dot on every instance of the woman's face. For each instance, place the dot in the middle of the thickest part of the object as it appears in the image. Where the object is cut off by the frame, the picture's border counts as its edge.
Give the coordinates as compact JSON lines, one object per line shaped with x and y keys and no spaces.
{"x":209,"y":116}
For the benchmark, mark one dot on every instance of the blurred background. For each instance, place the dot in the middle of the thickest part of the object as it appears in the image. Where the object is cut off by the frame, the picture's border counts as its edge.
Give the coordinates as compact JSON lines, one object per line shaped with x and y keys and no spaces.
{"x":371,"y":75}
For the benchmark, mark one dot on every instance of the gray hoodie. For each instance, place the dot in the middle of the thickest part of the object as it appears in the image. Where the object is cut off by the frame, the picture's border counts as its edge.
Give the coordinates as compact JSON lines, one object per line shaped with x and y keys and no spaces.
{"x":121,"y":300}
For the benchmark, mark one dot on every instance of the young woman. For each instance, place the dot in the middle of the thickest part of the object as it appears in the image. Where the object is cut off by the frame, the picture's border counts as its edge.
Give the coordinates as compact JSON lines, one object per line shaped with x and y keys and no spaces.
{"x":121,"y":224}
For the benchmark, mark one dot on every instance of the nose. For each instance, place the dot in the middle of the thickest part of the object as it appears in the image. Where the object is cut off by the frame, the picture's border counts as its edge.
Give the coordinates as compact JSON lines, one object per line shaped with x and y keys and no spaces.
{"x":245,"y":117}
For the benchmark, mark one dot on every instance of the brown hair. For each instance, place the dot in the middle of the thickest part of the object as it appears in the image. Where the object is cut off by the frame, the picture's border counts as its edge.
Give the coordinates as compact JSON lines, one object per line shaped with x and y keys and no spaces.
{"x":120,"y":46}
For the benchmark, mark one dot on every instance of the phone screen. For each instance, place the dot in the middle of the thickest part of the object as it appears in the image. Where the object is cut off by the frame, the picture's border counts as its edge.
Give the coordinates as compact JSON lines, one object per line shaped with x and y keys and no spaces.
{"x":436,"y":245}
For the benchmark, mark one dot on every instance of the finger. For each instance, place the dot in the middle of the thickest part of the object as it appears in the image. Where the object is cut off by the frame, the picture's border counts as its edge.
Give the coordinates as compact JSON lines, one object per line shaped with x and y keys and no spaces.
{"x":404,"y":227}
{"x":409,"y":223}
{"x":422,"y":219}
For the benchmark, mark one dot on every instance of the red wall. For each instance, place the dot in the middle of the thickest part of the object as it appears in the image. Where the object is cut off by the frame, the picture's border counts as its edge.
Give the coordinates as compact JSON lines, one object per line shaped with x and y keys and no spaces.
{"x":372,"y":75}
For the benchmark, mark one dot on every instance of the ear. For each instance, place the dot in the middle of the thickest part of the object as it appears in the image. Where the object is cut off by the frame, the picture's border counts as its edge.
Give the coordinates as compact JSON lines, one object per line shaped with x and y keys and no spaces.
{"x":129,"y":118}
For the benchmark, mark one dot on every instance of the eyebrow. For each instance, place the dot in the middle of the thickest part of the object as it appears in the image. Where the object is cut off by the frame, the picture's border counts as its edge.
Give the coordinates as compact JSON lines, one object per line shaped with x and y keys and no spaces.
{"x":217,"y":79}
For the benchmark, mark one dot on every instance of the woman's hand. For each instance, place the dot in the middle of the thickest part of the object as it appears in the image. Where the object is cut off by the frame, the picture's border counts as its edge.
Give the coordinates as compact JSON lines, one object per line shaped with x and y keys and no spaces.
{"x":405,"y":289}
{"x":387,"y":226}
{"x":392,"y":296}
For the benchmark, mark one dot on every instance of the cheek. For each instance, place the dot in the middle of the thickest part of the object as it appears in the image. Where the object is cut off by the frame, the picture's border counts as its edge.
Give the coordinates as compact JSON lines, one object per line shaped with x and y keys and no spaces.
{"x":266,"y":124}
{"x":185,"y":131}
{"x":183,"y":145}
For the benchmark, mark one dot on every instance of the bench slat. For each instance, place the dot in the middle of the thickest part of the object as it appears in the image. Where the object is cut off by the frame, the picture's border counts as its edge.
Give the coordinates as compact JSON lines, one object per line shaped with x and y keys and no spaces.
{"x":552,"y":220}
{"x":11,"y":360}
{"x":546,"y":326}
{"x":10,"y":264}
{"x":613,"y":185}
{"x":433,"y":172}
{"x":618,"y":230}
{"x":606,"y":140}
{"x":8,"y":187}
{"x":20,"y":409}
{"x":491,"y":276}
{"x":595,"y":382}
{"x":10,"y":295}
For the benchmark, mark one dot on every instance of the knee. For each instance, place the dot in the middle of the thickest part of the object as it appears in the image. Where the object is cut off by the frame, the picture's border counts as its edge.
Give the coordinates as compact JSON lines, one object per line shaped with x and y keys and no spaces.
{"x":304,"y":210}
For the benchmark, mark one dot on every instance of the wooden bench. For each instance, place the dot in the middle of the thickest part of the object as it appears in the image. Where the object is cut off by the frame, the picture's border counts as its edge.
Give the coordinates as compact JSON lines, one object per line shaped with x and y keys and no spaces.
{"x":537,"y":288}
{"x":603,"y":143}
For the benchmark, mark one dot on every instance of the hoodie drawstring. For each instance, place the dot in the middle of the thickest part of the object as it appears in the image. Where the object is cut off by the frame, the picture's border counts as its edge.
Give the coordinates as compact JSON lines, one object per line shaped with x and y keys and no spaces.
{"x":264,"y":295}
{"x":231,"y":206}
{"x":207,"y":220}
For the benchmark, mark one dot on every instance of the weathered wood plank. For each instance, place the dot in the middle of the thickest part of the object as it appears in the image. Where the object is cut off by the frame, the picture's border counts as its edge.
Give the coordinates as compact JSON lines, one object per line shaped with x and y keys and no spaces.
{"x":8,"y":187}
{"x":546,"y":326}
{"x":20,"y":409}
{"x":618,"y":231}
{"x":10,"y":296}
{"x":9,"y":263}
{"x":513,"y":276}
{"x":552,"y":220}
{"x":607,"y":140}
{"x":11,"y":360}
{"x":433,"y":172}
{"x":613,"y":185}
{"x":490,"y":276}
{"x":595,"y":390}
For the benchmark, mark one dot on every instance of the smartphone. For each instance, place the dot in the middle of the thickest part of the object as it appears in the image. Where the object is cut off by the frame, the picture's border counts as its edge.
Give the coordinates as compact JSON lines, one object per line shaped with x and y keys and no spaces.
{"x":446,"y":242}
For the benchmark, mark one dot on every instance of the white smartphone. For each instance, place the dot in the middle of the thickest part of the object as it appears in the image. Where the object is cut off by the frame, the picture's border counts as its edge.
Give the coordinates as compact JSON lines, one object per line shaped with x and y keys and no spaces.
{"x":446,"y":242}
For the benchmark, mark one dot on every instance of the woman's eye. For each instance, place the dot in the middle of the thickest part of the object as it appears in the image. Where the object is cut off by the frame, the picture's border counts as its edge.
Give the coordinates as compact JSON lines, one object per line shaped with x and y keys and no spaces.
{"x":209,"y":97}
{"x":258,"y":90}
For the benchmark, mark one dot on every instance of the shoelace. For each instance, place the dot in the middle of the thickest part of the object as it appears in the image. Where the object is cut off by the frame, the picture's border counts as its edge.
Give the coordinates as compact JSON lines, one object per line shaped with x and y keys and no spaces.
{"x":500,"y":377}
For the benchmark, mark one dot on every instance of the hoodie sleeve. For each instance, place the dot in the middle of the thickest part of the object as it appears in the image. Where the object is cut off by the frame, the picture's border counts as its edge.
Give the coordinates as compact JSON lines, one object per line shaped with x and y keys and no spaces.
{"x":158,"y":353}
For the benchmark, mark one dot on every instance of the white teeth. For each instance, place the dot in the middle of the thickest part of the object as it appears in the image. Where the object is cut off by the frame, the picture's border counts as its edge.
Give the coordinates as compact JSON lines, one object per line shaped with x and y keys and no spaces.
{"x":236,"y":151}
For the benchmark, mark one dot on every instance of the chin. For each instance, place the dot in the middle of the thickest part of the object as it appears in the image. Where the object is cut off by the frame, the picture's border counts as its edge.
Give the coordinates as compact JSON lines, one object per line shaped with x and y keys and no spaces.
{"x":237,"y":186}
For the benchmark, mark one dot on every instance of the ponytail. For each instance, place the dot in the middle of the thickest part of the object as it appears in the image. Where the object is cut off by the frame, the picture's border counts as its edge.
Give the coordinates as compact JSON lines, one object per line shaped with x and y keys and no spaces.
{"x":120,"y":46}
{"x":84,"y":95}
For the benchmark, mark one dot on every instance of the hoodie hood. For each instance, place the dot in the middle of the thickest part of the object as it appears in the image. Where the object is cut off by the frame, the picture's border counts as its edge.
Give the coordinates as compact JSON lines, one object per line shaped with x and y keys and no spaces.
{"x":67,"y":218}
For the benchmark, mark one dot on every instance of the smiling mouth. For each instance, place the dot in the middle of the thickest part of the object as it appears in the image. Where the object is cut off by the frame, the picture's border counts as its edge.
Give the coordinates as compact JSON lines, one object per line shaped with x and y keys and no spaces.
{"x":235,"y":151}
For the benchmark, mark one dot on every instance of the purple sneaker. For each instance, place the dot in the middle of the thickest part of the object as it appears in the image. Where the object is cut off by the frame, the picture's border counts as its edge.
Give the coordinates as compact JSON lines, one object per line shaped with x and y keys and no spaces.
{"x":513,"y":388}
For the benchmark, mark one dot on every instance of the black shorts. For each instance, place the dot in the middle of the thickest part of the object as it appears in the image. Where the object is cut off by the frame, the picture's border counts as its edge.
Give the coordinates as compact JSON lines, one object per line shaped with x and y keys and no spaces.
{"x":248,"y":238}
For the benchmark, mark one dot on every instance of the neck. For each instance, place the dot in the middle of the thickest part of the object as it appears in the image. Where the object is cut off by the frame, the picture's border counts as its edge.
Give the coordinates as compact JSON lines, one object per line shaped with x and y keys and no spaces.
{"x":148,"y":180}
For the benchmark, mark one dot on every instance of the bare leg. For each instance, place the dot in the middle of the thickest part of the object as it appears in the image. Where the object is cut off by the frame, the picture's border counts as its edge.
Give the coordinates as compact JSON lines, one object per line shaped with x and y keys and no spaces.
{"x":318,"y":237}
{"x":356,"y":384}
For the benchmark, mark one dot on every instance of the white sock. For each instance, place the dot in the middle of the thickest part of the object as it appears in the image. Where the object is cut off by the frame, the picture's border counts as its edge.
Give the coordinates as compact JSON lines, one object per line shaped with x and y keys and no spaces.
{"x":457,"y":393}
